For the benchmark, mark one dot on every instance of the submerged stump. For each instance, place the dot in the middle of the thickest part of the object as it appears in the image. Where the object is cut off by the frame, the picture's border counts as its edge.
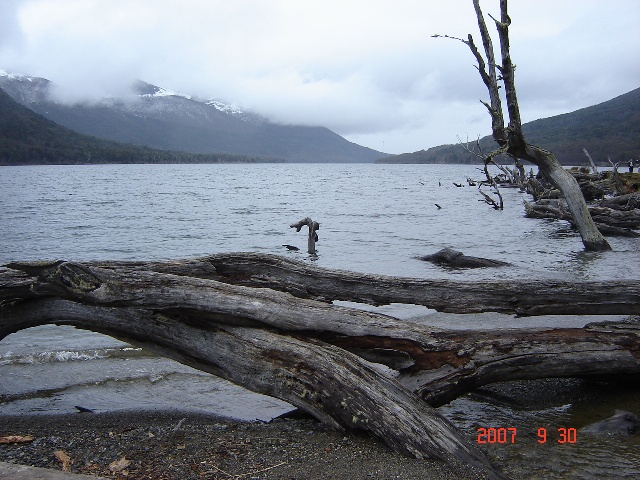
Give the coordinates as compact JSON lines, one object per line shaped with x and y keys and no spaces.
{"x":313,"y":235}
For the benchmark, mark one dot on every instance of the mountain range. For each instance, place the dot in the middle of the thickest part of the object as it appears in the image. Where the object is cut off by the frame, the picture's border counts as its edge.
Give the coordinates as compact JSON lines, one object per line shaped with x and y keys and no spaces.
{"x":608,"y":130}
{"x":27,"y":138}
{"x":155,"y":125}
{"x":160,"y":119}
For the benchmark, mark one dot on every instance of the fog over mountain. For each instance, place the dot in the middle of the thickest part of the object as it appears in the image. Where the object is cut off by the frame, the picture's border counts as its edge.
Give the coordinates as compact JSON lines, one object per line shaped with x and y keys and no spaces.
{"x":369,"y":71}
{"x":155,"y":117}
{"x":28,"y":138}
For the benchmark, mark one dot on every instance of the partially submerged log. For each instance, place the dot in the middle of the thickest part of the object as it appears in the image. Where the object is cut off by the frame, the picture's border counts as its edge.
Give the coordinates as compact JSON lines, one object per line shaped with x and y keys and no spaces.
{"x":319,"y":356}
{"x":610,"y":221}
{"x":452,"y":258}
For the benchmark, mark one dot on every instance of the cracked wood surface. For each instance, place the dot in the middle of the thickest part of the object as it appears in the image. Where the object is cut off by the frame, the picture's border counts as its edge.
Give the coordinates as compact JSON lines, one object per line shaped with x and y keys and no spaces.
{"x":520,"y":297}
{"x":316,"y":355}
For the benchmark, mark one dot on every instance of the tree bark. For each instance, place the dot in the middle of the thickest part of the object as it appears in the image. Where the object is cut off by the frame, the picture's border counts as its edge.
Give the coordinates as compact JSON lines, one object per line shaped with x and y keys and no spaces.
{"x":523,"y":298}
{"x":511,"y":138}
{"x":592,"y":239}
{"x":609,"y":221}
{"x":318,"y":356}
{"x":313,"y":235}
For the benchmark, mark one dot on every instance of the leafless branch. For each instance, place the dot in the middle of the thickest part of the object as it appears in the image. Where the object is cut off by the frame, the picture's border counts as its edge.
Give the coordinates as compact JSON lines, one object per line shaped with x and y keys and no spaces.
{"x":593,"y":165}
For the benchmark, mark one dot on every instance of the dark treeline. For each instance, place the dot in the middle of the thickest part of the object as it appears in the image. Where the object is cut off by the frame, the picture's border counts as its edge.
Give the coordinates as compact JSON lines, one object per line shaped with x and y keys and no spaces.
{"x":609,"y":129}
{"x":27,"y":138}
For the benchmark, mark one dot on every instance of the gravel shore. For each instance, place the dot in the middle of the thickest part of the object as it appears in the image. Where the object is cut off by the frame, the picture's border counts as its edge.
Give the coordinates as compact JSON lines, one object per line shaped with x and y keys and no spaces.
{"x":178,"y":446}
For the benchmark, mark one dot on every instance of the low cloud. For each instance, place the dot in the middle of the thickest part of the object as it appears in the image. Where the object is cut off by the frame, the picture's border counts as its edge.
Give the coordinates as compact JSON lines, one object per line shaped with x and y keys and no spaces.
{"x":369,"y":71}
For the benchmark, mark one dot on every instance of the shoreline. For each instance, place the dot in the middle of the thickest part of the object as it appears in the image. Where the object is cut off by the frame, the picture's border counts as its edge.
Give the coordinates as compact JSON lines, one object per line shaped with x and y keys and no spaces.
{"x":182,"y":445}
{"x":173,"y":445}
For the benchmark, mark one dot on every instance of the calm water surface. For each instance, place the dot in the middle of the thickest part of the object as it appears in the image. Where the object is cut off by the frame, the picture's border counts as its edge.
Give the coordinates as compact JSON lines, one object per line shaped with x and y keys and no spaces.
{"x":374,"y":218}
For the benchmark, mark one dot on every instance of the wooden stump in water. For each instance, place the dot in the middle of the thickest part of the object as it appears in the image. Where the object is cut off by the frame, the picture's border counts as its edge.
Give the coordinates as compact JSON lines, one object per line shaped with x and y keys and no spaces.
{"x":313,"y":235}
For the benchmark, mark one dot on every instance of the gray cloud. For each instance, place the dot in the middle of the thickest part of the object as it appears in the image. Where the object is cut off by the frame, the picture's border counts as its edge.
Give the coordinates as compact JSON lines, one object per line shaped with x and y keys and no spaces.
{"x":367,"y":70}
{"x":10,"y":33}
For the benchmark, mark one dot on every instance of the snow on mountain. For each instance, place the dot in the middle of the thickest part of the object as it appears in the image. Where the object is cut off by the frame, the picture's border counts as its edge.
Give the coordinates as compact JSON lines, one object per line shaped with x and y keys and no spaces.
{"x":223,"y":107}
{"x":163,"y":92}
{"x":144,"y":89}
{"x":15,"y":76}
{"x":160,"y":118}
{"x":30,"y":90}
{"x":237,"y":112}
{"x":25,"y":89}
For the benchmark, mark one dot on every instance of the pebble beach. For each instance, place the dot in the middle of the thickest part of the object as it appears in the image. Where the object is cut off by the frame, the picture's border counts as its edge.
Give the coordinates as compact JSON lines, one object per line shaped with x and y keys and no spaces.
{"x":175,"y":446}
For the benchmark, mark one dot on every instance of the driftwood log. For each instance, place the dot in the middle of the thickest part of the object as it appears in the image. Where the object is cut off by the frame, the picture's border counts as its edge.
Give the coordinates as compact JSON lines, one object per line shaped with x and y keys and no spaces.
{"x":313,"y":233}
{"x":257,"y":321}
{"x":449,"y":257}
{"x":610,"y":221}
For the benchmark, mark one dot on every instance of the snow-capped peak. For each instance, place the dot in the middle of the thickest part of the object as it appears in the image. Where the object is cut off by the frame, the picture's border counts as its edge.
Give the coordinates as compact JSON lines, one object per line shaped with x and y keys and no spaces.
{"x":163,"y":92}
{"x":148,"y":90}
{"x":224,"y":107}
{"x":15,"y":76}
{"x":236,"y":111}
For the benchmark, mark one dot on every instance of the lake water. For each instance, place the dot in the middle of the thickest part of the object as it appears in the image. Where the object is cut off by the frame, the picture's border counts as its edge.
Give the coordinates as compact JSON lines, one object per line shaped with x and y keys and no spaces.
{"x":374,"y":218}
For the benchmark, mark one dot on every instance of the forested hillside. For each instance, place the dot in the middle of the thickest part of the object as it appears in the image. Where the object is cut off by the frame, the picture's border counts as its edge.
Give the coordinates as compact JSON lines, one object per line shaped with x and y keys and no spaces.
{"x":27,"y":138}
{"x":161,"y":119}
{"x":609,"y":129}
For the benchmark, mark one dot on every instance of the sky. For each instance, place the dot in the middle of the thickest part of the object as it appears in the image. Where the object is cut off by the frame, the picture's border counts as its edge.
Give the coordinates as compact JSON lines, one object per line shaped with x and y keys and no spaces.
{"x":369,"y":70}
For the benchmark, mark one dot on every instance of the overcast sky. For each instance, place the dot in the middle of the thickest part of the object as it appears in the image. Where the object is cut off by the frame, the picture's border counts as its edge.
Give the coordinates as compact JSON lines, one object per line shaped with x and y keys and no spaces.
{"x":368,"y":70}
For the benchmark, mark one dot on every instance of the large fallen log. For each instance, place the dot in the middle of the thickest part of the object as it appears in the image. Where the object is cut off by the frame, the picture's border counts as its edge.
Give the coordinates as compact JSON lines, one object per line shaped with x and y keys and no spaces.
{"x":304,"y":280}
{"x":610,"y":221}
{"x":628,"y":201}
{"x":321,"y":357}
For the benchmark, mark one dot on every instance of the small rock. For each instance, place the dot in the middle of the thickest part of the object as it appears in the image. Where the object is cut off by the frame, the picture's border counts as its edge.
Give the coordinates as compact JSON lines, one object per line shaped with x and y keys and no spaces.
{"x":119,"y":465}
{"x":621,"y":423}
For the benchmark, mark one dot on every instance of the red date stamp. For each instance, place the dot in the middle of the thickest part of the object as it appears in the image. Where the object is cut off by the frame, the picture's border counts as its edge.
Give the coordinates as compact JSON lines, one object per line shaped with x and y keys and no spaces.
{"x":508,"y":435}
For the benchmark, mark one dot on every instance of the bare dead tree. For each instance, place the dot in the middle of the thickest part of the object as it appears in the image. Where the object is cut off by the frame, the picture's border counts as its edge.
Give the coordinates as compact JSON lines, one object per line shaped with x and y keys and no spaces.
{"x":487,"y":159}
{"x":617,"y":181}
{"x":313,"y":235}
{"x":510,"y":138}
{"x":594,"y":168}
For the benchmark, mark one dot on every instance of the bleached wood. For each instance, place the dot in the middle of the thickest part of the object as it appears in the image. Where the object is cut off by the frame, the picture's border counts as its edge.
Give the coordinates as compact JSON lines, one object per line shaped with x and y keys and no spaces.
{"x":317,"y":355}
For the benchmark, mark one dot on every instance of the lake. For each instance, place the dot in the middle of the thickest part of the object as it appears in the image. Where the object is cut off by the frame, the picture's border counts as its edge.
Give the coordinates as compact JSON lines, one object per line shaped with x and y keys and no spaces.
{"x":374,"y":219}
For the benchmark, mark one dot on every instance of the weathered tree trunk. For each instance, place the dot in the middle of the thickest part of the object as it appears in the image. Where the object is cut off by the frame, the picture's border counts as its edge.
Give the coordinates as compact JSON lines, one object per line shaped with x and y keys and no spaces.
{"x":594,"y":168}
{"x":534,"y":297}
{"x":567,"y":184}
{"x":617,"y":181}
{"x":313,"y":235}
{"x":511,"y":138}
{"x":629,"y":201}
{"x":316,"y":355}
